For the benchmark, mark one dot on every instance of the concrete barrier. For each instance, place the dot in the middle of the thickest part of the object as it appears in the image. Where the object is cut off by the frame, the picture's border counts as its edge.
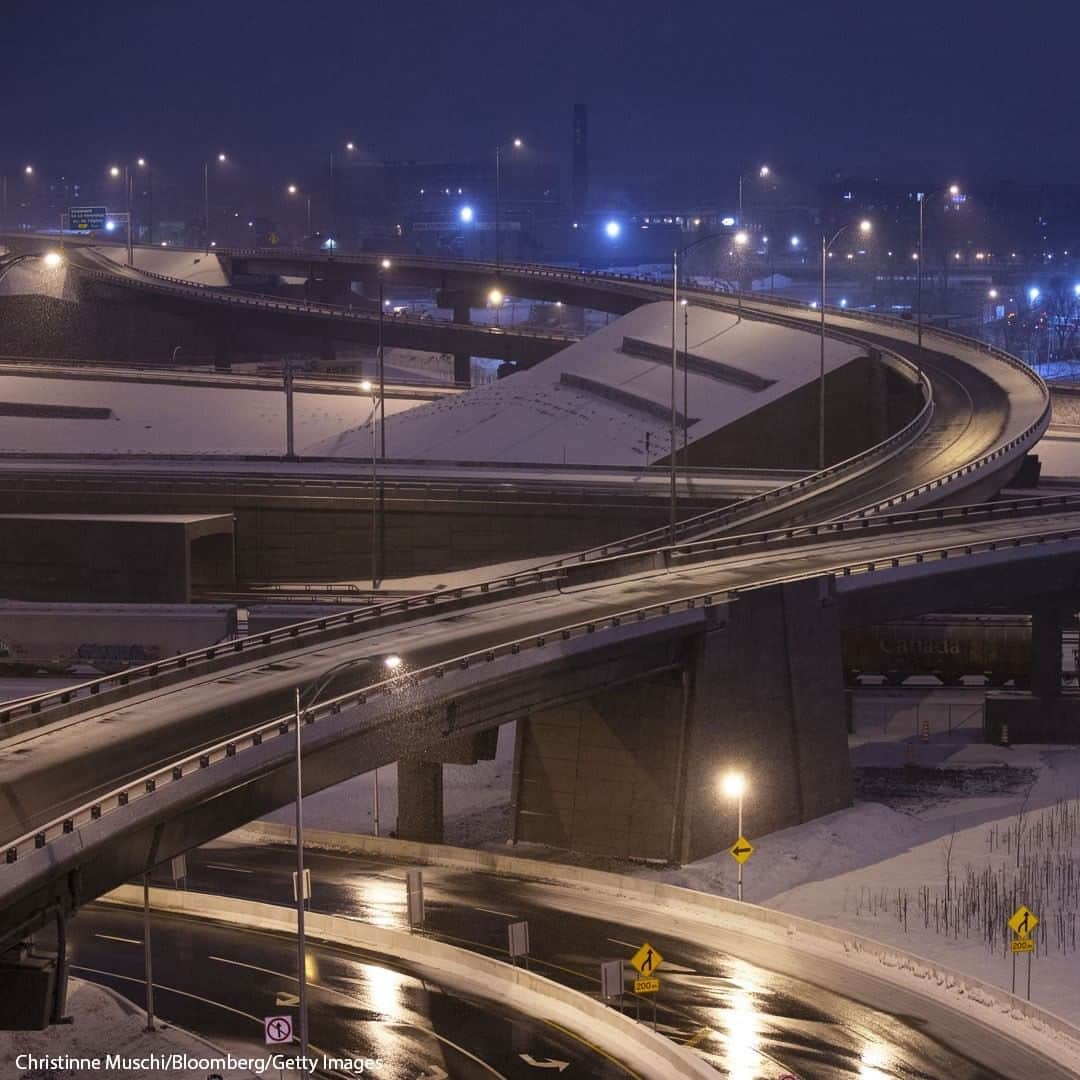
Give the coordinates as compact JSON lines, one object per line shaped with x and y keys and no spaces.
{"x":983,"y":1002}
{"x":654,"y":1056}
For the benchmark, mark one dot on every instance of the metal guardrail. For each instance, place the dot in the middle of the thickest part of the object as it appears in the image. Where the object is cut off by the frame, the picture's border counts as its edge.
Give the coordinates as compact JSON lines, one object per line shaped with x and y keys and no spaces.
{"x":532,"y":578}
{"x":543,"y":573}
{"x":234,"y":297}
{"x":145,"y":786}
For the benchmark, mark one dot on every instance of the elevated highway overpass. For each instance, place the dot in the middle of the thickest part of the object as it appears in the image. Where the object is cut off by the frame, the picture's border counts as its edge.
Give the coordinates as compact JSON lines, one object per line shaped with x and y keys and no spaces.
{"x":731,"y":639}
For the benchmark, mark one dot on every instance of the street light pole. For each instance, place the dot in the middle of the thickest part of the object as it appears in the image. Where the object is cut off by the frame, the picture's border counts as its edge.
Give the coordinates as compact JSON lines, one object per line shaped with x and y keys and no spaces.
{"x":918,"y":273}
{"x":498,"y":194}
{"x":301,"y":951}
{"x":686,"y":384}
{"x":674,"y":366}
{"x":864,"y":228}
{"x":740,"y":837}
{"x":206,"y":203}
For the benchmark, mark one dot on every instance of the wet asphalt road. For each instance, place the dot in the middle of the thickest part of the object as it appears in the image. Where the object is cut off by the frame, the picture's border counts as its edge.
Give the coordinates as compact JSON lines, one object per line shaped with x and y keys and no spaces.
{"x":220,"y":982}
{"x":751,"y":1023}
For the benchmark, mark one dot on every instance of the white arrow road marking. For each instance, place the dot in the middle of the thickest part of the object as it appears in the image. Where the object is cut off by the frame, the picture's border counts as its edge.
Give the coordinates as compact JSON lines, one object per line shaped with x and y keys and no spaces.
{"x":286,"y":999}
{"x":547,"y":1063}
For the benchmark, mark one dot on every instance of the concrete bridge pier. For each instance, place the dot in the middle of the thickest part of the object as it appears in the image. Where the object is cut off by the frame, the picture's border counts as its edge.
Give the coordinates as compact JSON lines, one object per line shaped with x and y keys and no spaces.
{"x":461,"y":304}
{"x":420,"y":783}
{"x":634,"y":771}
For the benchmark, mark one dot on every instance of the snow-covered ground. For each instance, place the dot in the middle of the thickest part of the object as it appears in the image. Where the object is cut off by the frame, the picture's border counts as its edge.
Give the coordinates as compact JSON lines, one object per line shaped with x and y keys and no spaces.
{"x":927,"y":861}
{"x":593,"y":403}
{"x":878,"y":869}
{"x":161,"y":419}
{"x":105,"y":1023}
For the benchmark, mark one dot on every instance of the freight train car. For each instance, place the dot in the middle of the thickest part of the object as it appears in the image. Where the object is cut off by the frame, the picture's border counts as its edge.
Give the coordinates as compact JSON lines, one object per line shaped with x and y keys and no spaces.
{"x":946,"y":646}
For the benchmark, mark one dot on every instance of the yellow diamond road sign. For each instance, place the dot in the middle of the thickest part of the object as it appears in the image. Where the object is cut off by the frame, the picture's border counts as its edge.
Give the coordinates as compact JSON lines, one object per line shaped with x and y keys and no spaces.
{"x":741,"y":850}
{"x":646,"y":960}
{"x":1023,"y":921}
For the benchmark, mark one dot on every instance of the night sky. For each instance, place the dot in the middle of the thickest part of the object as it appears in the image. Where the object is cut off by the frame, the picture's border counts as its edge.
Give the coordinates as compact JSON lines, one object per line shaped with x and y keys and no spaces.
{"x":681,"y":96}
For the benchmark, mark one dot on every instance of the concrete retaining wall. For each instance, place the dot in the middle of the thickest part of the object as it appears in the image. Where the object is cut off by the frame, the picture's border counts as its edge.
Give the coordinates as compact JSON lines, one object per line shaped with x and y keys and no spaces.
{"x":1025,"y":1023}
{"x":522,"y":990}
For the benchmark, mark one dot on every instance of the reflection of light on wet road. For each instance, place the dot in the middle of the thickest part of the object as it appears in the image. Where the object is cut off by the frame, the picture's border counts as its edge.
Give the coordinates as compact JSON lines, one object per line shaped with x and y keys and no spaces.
{"x":381,"y":903}
{"x":742,"y":1022}
{"x":386,"y":990}
{"x":311,"y":967}
{"x":872,"y":1062}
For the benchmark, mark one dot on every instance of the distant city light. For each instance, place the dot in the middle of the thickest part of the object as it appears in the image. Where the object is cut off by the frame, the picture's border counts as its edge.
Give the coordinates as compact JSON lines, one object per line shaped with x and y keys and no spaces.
{"x":843,"y":301}
{"x":110,"y":225}
{"x":813,"y":303}
{"x":993,"y":293}
{"x":865,"y":227}
{"x":466,"y":214}
{"x":1033,"y":294}
{"x":763,"y":171}
{"x":795,"y":241}
{"x":141,"y":162}
{"x":292,"y":189}
{"x":1076,"y":289}
{"x":385,"y":264}
{"x":365,"y":386}
{"x":222,"y":158}
{"x":612,"y":229}
{"x":954,"y":189}
{"x":350,"y":146}
{"x":518,"y":144}
{"x":495,"y":297}
{"x":741,"y":239}
{"x":52,"y":259}
{"x":727,"y":222}
{"x":114,"y":171}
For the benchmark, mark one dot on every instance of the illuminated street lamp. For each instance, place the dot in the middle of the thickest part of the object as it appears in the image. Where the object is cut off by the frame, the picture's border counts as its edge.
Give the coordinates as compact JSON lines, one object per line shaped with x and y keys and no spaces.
{"x":221,"y":159}
{"x":115,"y":171}
{"x":292,"y":189}
{"x":52,"y":260}
{"x":733,"y":785}
{"x":954,"y":191}
{"x":516,"y":144}
{"x":350,"y":148}
{"x":762,"y":173}
{"x":368,"y":387}
{"x":865,"y":229}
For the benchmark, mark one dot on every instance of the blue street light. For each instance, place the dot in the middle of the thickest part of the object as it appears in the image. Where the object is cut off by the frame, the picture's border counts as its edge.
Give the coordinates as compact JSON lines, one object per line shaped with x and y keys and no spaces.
{"x":1033,"y":294}
{"x":612,"y":230}
{"x":466,"y":215}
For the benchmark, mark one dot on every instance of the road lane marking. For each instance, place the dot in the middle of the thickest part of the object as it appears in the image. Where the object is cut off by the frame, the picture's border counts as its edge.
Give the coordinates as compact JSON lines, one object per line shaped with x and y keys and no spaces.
{"x":492,"y":911}
{"x":595,"y":1049}
{"x":113,"y":937}
{"x":225,"y":866}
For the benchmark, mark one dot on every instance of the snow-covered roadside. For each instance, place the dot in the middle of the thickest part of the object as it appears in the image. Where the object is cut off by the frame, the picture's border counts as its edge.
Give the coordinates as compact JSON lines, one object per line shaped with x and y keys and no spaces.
{"x":105,"y":1023}
{"x":881,"y":873}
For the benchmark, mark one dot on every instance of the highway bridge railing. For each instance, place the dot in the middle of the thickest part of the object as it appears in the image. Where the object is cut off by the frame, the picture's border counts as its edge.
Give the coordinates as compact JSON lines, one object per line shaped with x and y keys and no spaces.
{"x":696,"y":607}
{"x":39,"y":709}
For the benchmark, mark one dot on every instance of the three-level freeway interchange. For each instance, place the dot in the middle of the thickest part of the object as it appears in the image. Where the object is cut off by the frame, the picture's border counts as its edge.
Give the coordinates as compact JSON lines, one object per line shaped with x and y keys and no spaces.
{"x":85,"y":809}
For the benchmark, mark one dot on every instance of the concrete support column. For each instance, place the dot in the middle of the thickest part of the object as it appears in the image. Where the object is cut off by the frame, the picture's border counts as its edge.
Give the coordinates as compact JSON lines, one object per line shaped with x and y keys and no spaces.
{"x":420,"y":801}
{"x":462,"y":362}
{"x":768,"y":701}
{"x":1046,"y":626}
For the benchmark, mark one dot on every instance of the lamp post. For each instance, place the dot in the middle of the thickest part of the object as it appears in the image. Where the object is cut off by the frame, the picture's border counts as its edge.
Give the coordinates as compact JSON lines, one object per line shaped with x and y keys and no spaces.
{"x":677,"y":257}
{"x":685,"y":383}
{"x":367,"y":387}
{"x":313,"y":690}
{"x":762,"y":173}
{"x":221,"y":159}
{"x":517,"y":145}
{"x":734,"y":785}
{"x":923,"y":196}
{"x":826,"y":243}
{"x":115,"y":172}
{"x":142,"y":163}
{"x":292,"y":189}
{"x":495,"y":300}
{"x":28,"y":171}
{"x":350,"y":147}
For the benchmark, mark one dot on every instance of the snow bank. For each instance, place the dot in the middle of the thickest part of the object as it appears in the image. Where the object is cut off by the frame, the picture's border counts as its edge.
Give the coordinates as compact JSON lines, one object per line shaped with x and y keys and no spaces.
{"x":104,"y":1022}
